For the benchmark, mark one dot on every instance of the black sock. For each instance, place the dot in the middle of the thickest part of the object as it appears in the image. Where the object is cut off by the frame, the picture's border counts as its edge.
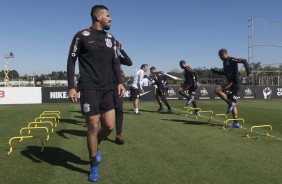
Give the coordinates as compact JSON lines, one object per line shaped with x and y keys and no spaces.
{"x":194,"y":104}
{"x":93,"y":161}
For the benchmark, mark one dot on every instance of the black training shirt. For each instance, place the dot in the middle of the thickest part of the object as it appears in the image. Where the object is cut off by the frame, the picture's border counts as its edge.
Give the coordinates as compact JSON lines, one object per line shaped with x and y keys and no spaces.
{"x":230,"y":69}
{"x":98,"y":60}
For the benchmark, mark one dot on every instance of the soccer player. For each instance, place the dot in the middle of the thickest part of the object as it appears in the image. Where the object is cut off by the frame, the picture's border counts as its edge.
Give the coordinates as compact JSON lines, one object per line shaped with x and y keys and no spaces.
{"x":98,"y":60}
{"x":159,"y":79}
{"x":137,"y":88}
{"x":124,"y":60}
{"x":229,"y":91}
{"x":190,"y":84}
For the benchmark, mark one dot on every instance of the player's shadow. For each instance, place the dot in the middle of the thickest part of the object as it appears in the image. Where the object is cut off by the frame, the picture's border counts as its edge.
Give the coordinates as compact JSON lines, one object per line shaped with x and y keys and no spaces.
{"x":55,"y":157}
{"x":72,"y":121}
{"x":192,"y":122}
{"x":76,"y":111}
{"x":65,"y":132}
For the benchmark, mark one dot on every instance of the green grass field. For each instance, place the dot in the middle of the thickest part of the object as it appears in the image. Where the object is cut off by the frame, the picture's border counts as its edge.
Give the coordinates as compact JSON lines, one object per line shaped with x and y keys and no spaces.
{"x":160,"y":148}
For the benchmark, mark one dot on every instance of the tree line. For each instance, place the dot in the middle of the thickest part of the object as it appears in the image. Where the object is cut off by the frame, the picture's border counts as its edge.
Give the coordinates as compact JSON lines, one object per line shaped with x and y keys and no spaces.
{"x":204,"y":74}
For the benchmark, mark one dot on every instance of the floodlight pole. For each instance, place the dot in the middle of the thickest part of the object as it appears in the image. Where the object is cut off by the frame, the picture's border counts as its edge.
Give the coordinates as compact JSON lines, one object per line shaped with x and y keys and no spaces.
{"x":6,"y":67}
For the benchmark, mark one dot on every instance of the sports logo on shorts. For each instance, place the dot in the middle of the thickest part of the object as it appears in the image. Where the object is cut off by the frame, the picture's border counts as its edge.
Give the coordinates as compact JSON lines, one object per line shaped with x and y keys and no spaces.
{"x":109,"y":42}
{"x":85,"y":33}
{"x":86,"y":107}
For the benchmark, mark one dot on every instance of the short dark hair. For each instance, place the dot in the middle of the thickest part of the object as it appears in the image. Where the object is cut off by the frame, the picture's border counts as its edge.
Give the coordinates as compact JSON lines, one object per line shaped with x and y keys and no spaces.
{"x":182,"y":62}
{"x":152,"y":68}
{"x":143,"y":66}
{"x":222,"y":51}
{"x":95,"y":10}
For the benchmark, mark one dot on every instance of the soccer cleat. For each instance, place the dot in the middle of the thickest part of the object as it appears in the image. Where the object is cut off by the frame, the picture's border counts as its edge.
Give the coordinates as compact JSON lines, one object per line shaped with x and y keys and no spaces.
{"x":169,"y":111}
{"x":138,"y":113}
{"x":195,"y":112}
{"x":119,"y":140}
{"x":189,"y":101}
{"x":230,"y":107}
{"x":98,"y":157}
{"x":160,"y":109}
{"x":94,"y":174}
{"x":235,"y":124}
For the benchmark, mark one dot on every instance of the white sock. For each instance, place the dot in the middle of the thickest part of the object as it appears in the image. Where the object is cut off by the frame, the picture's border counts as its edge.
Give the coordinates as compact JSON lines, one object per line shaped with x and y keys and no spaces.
{"x":136,"y":110}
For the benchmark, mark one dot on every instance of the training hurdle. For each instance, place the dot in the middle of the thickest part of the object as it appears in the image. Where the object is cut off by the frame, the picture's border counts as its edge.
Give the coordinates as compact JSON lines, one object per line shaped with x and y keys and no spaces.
{"x":208,"y":111}
{"x":220,"y":115}
{"x":48,"y":113}
{"x":238,"y":119}
{"x":39,"y":119}
{"x":191,"y":109}
{"x":269,"y":127}
{"x":41,"y":123}
{"x":21,"y":138}
{"x":34,"y":128}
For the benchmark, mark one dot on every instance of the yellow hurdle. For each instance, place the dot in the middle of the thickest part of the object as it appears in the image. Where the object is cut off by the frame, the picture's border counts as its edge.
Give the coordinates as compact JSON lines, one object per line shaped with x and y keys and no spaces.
{"x":41,"y":123}
{"x":269,"y":127}
{"x":46,"y":112}
{"x":21,"y":138}
{"x":39,"y":119}
{"x":191,"y":109}
{"x":34,"y":128}
{"x":238,"y":119}
{"x":50,"y":114}
{"x":208,"y":111}
{"x":224,"y":115}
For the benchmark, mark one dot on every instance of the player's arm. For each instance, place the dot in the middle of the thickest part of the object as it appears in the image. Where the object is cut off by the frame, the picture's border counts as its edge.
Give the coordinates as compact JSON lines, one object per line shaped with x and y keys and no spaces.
{"x":246,"y":64}
{"x":140,"y":79}
{"x":72,"y":57}
{"x":117,"y":72}
{"x":125,"y":59}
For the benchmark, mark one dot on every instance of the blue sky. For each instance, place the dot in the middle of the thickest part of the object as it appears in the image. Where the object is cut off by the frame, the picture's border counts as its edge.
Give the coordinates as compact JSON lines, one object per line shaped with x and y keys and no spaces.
{"x":157,"y":32}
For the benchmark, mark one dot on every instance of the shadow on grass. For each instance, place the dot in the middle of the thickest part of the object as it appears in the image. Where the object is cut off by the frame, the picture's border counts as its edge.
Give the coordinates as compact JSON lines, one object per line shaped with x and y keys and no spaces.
{"x":193,"y":122}
{"x":76,"y":111}
{"x":63,"y":133}
{"x":54,"y":156}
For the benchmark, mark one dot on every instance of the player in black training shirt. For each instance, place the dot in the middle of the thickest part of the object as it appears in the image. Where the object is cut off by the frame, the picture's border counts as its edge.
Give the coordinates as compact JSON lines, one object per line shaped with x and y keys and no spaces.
{"x":229,"y":91}
{"x":124,"y":60}
{"x":190,"y":84}
{"x":98,"y":60}
{"x":159,"y":79}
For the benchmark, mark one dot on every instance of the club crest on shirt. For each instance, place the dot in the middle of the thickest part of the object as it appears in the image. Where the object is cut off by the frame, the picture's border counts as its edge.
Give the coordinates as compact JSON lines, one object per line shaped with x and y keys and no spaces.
{"x":86,"y":107}
{"x":85,"y":33}
{"x":109,"y":42}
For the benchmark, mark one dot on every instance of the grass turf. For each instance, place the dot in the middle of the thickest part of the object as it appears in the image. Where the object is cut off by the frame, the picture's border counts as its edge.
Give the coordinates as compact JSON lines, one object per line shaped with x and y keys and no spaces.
{"x":159,"y":148}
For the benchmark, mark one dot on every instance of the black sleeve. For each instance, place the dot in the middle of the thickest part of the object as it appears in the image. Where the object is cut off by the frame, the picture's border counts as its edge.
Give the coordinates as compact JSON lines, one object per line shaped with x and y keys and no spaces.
{"x":245,"y":62}
{"x":72,"y":57}
{"x":125,"y":60}
{"x":116,"y":67}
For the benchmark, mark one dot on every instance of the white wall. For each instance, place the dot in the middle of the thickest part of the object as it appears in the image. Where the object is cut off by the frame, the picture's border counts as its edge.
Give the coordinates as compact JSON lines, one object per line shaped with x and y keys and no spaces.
{"x":20,"y":95}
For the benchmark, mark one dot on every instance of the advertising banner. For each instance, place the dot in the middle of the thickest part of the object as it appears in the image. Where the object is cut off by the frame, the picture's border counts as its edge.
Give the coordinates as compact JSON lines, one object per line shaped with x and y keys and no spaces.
{"x":20,"y":95}
{"x":54,"y":94}
{"x":247,"y":92}
{"x":269,"y":92}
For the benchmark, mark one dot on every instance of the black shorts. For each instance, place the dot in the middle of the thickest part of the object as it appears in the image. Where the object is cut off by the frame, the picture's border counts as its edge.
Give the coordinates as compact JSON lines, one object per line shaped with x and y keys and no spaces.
{"x":232,"y":87}
{"x":94,"y":102}
{"x":161,"y":91}
{"x":191,"y":88}
{"x":134,"y":93}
